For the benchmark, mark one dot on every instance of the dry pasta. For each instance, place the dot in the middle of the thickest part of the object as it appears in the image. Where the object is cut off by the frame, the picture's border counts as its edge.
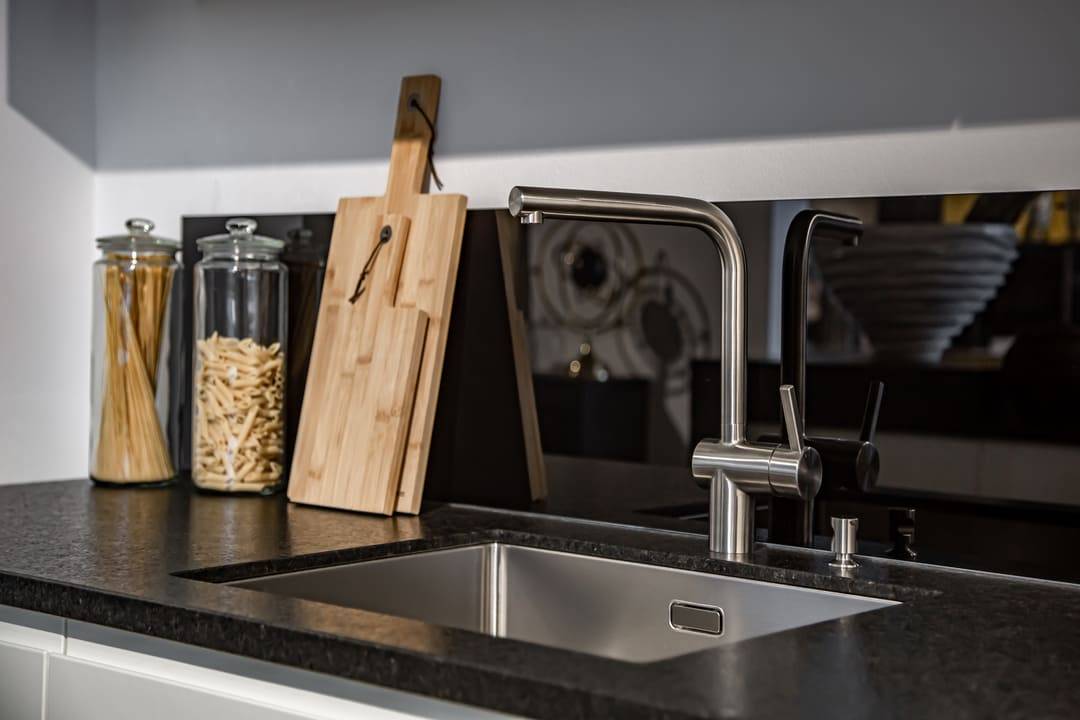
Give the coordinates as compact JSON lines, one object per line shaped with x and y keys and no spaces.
{"x":239,"y":414}
{"x":131,"y":445}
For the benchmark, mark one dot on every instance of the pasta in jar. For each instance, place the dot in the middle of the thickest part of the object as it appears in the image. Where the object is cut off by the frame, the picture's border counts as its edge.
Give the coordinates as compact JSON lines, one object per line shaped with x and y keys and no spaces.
{"x":239,"y":414}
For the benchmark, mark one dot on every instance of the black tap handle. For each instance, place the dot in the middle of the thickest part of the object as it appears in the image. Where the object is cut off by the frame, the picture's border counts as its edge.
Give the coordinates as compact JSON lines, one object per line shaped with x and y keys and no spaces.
{"x":849,"y":465}
{"x":870,"y":414}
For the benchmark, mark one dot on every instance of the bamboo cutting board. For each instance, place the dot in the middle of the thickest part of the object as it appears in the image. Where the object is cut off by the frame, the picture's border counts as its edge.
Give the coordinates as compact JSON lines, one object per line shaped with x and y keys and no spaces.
{"x":376,"y":361}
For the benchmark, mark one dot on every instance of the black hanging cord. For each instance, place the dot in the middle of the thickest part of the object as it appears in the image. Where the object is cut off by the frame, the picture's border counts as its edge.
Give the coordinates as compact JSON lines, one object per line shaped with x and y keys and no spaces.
{"x":415,"y":104}
{"x":384,"y":237}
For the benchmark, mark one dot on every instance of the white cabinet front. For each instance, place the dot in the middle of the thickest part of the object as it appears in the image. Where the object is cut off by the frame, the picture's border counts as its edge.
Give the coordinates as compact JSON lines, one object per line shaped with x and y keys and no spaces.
{"x":80,"y":690}
{"x":21,"y":676}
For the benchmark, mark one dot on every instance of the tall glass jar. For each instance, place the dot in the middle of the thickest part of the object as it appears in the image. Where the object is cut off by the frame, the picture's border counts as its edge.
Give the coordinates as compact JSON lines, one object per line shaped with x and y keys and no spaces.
{"x":240,"y":336}
{"x":132,"y":364}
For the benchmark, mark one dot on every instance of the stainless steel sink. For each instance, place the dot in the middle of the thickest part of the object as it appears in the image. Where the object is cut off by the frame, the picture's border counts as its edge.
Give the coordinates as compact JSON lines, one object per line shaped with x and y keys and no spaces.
{"x":622,"y":610}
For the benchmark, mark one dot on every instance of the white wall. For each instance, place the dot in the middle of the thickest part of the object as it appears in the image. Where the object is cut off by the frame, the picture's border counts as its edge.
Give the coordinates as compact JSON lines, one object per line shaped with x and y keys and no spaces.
{"x":1037,"y":156}
{"x":46,"y":212}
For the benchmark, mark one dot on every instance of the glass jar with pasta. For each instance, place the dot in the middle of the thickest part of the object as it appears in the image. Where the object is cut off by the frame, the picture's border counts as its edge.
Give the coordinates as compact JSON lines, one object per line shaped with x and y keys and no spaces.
{"x":238,"y":390}
{"x":133,"y":429}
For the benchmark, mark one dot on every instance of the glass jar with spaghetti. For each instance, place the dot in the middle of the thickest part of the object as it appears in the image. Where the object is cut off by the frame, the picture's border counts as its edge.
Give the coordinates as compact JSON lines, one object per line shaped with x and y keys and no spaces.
{"x":238,"y":390}
{"x":133,"y":432}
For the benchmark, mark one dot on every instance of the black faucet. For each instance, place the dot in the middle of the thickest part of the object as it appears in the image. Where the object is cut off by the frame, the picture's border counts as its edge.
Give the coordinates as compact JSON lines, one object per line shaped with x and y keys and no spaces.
{"x":850,"y":464}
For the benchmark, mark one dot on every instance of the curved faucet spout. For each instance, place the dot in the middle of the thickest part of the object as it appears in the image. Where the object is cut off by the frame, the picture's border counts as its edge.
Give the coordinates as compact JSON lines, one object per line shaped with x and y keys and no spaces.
{"x":533,"y":205}
{"x":733,"y":468}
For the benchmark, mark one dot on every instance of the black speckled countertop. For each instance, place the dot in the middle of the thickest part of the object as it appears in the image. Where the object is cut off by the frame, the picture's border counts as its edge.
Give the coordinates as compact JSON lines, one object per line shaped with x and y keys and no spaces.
{"x":960,"y":644}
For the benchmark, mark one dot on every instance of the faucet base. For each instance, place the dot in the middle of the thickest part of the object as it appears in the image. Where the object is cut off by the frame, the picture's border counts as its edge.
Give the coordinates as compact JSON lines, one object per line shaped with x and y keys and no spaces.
{"x":736,"y":472}
{"x":731,"y":518}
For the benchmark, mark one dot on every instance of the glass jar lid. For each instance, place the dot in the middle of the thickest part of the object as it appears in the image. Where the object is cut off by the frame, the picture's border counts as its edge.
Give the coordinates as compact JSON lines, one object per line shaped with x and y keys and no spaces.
{"x":240,"y":238}
{"x":138,"y":238}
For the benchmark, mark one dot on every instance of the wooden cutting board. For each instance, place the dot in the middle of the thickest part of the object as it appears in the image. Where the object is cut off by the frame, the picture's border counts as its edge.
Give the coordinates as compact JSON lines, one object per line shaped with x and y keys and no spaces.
{"x":376,"y":361}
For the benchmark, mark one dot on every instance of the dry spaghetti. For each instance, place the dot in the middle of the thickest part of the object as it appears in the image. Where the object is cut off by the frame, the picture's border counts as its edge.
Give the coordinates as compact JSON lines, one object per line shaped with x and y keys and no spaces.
{"x":131,"y":445}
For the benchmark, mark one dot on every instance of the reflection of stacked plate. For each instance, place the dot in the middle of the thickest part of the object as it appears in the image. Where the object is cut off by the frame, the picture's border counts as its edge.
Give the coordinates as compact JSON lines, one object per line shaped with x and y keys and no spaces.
{"x":913,"y":288}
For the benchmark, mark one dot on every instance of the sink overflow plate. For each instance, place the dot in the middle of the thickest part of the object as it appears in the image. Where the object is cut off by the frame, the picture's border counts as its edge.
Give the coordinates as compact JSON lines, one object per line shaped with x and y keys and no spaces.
{"x":692,"y":617}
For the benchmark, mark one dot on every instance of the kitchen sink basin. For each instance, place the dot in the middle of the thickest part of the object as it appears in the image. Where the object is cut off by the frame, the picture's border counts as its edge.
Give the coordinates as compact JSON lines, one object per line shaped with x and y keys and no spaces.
{"x":622,"y":610}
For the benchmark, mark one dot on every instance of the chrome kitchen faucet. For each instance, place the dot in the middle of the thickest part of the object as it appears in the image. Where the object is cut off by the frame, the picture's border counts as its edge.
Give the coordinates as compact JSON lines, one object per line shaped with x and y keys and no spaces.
{"x":732,"y":468}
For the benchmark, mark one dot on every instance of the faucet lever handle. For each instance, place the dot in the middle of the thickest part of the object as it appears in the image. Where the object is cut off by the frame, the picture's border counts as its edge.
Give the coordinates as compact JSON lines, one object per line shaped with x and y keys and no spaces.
{"x":793,"y":423}
{"x":870,"y":414}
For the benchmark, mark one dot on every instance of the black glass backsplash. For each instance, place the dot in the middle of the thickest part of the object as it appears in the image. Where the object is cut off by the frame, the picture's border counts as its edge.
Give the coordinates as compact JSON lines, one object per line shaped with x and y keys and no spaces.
{"x":623,"y":360}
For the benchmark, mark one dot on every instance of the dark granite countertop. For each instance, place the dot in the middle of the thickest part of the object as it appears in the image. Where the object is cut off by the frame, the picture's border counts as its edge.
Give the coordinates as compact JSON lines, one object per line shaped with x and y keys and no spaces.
{"x":960,"y":644}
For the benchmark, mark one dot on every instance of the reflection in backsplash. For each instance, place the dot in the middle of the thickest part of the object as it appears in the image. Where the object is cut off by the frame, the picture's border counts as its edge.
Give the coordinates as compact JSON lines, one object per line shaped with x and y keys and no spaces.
{"x":966,"y":283}
{"x":625,"y":306}
{"x":964,"y":306}
{"x":628,"y":308}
